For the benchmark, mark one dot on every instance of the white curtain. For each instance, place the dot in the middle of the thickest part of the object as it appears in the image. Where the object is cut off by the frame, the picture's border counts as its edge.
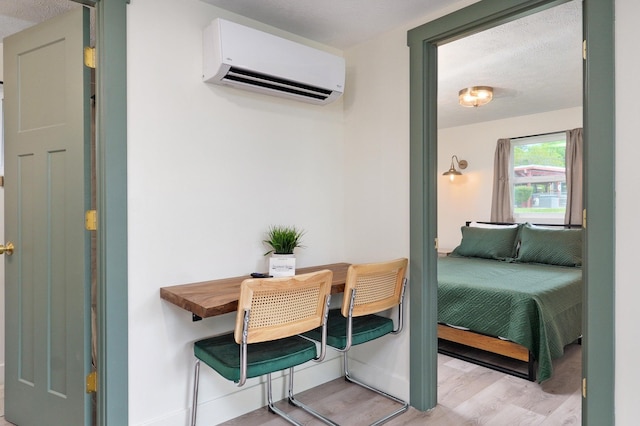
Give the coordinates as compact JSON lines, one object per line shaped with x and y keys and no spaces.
{"x":573,"y":160}
{"x":501,"y":205}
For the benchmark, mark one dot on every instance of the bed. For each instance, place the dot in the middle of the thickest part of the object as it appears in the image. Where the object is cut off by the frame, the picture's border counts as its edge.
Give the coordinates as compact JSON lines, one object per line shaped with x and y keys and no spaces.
{"x":514,"y":291}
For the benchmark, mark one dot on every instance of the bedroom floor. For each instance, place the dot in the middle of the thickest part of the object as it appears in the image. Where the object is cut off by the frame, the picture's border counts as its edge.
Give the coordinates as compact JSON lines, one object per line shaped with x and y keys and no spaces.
{"x":468,"y":394}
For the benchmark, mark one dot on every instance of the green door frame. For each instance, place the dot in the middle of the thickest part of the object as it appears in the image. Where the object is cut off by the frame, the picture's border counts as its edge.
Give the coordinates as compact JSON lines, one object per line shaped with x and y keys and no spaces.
{"x":599,"y":163}
{"x":111,"y":200}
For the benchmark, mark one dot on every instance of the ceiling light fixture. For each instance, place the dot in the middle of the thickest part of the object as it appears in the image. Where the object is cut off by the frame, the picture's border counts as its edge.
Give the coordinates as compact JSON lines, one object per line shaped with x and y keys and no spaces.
{"x":475,"y":96}
{"x":452,"y":172}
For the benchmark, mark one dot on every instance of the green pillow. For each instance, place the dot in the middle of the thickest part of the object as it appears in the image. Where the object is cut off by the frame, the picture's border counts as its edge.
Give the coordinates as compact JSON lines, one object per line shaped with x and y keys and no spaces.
{"x":487,"y":243}
{"x":551,"y":246}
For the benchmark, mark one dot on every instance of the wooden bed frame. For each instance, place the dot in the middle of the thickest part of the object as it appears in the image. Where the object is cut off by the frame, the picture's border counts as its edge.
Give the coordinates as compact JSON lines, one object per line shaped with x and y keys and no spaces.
{"x":487,"y":343}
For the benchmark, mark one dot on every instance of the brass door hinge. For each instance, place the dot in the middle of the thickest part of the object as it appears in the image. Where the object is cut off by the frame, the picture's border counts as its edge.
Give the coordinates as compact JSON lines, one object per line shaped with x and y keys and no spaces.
{"x":584,"y":387}
{"x":91,"y":220}
{"x":90,"y":57}
{"x":584,"y":218}
{"x":584,"y":49}
{"x":435,"y":241}
{"x":92,"y":382}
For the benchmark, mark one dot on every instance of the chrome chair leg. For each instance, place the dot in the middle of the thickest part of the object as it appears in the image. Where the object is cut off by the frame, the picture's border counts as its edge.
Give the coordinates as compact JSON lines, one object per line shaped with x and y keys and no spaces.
{"x":196,"y":379}
{"x":276,"y":410}
{"x":305,"y":407}
{"x":345,"y":363}
{"x":351,"y":379}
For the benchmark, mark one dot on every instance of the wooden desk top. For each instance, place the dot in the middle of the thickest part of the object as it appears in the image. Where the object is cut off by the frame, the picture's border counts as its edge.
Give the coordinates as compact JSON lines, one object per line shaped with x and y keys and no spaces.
{"x":210,"y":298}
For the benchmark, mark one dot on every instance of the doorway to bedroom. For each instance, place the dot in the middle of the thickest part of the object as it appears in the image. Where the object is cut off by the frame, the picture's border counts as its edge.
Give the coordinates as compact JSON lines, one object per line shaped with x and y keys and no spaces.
{"x":534,"y":67}
{"x":599,"y":245}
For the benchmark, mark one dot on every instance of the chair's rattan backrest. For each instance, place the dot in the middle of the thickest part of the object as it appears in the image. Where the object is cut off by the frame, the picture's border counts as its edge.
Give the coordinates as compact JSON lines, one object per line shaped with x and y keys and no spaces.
{"x":378,"y":286}
{"x":282,"y":307}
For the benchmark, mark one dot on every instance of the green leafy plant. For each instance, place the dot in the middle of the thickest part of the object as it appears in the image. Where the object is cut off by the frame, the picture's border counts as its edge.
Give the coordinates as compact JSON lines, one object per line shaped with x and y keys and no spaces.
{"x":283,"y":239}
{"x":522,"y":194}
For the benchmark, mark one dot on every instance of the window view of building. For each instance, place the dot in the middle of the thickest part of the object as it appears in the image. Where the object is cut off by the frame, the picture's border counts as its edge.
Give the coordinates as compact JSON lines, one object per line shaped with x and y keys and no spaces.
{"x":538,"y":178}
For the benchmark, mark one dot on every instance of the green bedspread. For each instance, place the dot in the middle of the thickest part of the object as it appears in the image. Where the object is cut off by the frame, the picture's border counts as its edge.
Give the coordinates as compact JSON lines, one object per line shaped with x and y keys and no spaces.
{"x":537,"y":306}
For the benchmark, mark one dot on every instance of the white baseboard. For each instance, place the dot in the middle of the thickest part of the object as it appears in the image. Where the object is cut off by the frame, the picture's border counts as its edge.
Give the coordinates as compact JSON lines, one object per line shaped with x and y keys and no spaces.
{"x":250,"y":398}
{"x":380,"y":378}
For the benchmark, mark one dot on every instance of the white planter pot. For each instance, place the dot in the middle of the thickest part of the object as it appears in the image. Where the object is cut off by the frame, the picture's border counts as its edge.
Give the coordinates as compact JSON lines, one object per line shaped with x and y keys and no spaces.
{"x":282,"y":265}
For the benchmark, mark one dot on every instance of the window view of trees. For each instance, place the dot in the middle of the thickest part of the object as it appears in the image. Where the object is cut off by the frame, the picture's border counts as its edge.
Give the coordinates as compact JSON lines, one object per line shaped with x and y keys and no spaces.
{"x":547,"y":153}
{"x":538,"y":177}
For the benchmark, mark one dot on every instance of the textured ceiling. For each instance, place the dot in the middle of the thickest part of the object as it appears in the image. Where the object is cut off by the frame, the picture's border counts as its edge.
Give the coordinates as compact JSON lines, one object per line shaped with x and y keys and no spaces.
{"x":16,"y":15}
{"x":337,"y":23}
{"x":534,"y":63}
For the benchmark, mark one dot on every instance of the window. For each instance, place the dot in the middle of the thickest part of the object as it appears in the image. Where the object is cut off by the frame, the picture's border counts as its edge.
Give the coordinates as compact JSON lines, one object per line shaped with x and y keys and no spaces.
{"x":538,"y":178}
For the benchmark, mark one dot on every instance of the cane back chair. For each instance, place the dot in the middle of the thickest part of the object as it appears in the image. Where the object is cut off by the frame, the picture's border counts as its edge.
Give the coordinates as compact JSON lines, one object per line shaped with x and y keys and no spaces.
{"x":370,"y":289}
{"x":272,"y":312}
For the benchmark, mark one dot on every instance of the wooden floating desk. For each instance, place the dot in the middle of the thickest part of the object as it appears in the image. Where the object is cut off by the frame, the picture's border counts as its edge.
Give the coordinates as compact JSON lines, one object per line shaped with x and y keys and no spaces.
{"x":210,"y":298}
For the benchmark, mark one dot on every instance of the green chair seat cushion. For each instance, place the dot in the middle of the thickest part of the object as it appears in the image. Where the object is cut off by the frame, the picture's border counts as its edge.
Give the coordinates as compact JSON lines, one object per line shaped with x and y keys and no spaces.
{"x":222,"y":353}
{"x":365,"y":328}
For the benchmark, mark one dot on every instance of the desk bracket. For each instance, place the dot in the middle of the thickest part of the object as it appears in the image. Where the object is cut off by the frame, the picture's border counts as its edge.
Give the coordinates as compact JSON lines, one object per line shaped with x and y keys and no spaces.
{"x":195,"y":317}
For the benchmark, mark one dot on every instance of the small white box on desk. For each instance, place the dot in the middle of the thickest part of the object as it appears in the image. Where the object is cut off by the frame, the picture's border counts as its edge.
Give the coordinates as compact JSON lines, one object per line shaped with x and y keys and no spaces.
{"x":282,"y":265}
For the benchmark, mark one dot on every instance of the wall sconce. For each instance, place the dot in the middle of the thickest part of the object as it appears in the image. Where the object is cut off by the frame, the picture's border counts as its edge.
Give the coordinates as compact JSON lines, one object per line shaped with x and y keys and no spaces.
{"x":475,"y":96}
{"x":452,"y":172}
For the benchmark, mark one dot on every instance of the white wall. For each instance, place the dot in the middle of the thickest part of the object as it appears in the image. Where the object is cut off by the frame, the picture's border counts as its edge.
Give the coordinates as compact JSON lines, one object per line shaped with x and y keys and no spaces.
{"x":200,"y":174}
{"x":377,"y":185}
{"x":468,"y":197}
{"x":627,"y":206}
{"x":210,"y":168}
{"x":377,"y":180}
{"x":206,"y":167}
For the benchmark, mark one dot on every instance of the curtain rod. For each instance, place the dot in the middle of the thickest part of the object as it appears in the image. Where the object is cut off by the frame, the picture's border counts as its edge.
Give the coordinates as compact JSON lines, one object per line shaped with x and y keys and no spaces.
{"x":539,"y":134}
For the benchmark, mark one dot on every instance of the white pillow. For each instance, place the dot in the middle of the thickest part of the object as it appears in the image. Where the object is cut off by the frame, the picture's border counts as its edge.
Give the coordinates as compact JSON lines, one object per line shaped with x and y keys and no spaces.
{"x":491,"y":225}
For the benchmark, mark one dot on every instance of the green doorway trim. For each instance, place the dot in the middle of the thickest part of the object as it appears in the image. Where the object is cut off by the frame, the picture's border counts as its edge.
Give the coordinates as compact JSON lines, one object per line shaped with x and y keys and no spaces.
{"x":599,"y":163}
{"x":111,"y":182}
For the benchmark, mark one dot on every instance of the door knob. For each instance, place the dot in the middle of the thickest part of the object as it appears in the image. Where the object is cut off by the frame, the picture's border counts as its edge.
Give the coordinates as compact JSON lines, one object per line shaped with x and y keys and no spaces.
{"x":7,"y":248}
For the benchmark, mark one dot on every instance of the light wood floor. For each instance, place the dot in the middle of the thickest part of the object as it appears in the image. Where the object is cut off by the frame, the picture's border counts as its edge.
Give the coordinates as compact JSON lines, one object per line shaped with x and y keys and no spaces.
{"x":3,"y":422}
{"x":467,"y":395}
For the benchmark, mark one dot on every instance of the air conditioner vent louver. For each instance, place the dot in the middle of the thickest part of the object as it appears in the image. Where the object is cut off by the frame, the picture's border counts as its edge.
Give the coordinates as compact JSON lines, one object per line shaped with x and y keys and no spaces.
{"x":269,"y":82}
{"x":250,"y":59}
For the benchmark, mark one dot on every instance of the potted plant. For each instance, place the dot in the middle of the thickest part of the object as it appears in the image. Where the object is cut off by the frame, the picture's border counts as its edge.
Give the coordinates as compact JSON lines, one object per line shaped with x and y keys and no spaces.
{"x":283,"y":240}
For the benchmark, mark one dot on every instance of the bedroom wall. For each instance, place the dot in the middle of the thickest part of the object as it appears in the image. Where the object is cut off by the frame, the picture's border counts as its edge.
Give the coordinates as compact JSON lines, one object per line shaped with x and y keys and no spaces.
{"x":468,"y":197}
{"x":210,"y":168}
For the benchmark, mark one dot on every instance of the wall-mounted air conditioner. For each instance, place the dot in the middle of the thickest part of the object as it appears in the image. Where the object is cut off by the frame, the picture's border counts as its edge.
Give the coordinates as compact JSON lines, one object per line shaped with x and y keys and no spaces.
{"x":246,"y":58}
